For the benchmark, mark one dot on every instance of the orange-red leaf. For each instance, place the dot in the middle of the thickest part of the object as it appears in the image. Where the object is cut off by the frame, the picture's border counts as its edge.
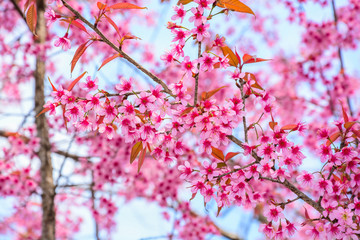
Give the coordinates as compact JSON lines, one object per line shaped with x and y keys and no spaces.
{"x":348,"y":125}
{"x":73,"y":83}
{"x":141,"y":159}
{"x":221,"y":165}
{"x":217,"y":153}
{"x":356,"y":132}
{"x":252,"y":59}
{"x":256,"y":85}
{"x":218,"y":211}
{"x":184,"y":2}
{"x":333,"y":138}
{"x":79,"y":52}
{"x":135,"y":151}
{"x":101,"y":6}
{"x":234,"y":5}
{"x":79,"y":25}
{"x":53,"y":87}
{"x":43,"y":111}
{"x":186,"y":111}
{"x":345,"y":116}
{"x":113,"y":24}
{"x":109,"y":59}
{"x":233,"y":60}
{"x":207,"y":95}
{"x":289,"y":127}
{"x":31,"y":18}
{"x":272,"y":125}
{"x":125,"y":6}
{"x":230,"y":155}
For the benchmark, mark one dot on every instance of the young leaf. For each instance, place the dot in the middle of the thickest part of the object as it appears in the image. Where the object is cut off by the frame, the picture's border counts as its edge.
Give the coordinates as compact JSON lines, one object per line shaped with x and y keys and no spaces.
{"x":230,"y":155}
{"x":101,"y":6}
{"x":79,"y":25}
{"x":109,"y":59}
{"x":356,"y":132}
{"x":73,"y":83}
{"x":234,"y":5}
{"x":79,"y":52}
{"x":135,"y":151}
{"x":252,"y":59}
{"x":227,"y":52}
{"x":333,"y":138}
{"x":348,"y":125}
{"x":207,"y":95}
{"x":54,"y":88}
{"x":184,"y":2}
{"x":221,"y":165}
{"x":345,"y":116}
{"x":217,"y":153}
{"x":289,"y":127}
{"x":218,"y":211}
{"x":125,"y":6}
{"x":272,"y":124}
{"x":141,"y":159}
{"x":186,"y":111}
{"x":31,"y":18}
{"x":113,"y":24}
{"x":43,"y":111}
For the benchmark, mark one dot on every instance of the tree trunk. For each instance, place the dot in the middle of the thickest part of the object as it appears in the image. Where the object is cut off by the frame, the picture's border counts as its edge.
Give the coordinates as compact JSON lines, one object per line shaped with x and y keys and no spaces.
{"x":46,"y":169}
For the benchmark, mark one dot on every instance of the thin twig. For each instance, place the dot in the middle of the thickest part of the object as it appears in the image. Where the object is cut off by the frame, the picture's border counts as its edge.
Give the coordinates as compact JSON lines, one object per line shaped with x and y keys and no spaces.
{"x":124,"y":55}
{"x":197,"y":76}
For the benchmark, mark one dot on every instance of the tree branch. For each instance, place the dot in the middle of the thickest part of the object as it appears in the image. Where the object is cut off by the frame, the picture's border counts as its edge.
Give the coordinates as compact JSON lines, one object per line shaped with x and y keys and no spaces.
{"x":124,"y":55}
{"x":197,"y":76}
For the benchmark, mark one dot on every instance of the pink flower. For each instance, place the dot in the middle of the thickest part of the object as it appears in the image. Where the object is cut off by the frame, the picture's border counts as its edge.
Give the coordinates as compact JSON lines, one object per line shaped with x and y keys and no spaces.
{"x":198,"y":17}
{"x":201,"y":32}
{"x":305,"y":179}
{"x":50,"y":16}
{"x":64,"y":42}
{"x":206,"y":62}
{"x":189,"y":66}
{"x":180,"y":13}
{"x":90,"y":84}
{"x":180,"y":35}
{"x":107,"y":129}
{"x":125,"y":86}
{"x":185,"y":170}
{"x":274,"y":213}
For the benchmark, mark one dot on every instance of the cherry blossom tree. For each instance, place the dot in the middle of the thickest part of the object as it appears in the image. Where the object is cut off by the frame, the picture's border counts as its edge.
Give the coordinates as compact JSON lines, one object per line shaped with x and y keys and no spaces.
{"x":277,"y":135}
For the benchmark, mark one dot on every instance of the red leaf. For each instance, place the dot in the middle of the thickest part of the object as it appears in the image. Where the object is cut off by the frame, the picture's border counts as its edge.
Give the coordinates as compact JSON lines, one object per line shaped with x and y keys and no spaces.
{"x":141,"y":159}
{"x":221,"y":165}
{"x":234,"y":5}
{"x":207,"y":95}
{"x":333,"y":138}
{"x":272,"y":125}
{"x":348,"y":125}
{"x":135,"y":151}
{"x":31,"y":18}
{"x":217,"y":153}
{"x":54,"y":88}
{"x":356,"y":132}
{"x":227,"y":52}
{"x":113,"y":24}
{"x":101,"y":6}
{"x":252,"y":59}
{"x":230,"y":155}
{"x":43,"y":111}
{"x":289,"y":127}
{"x":109,"y":59}
{"x":184,"y":2}
{"x":186,"y":111}
{"x":79,"y":52}
{"x":125,"y":6}
{"x":218,"y":211}
{"x":73,"y":83}
{"x":345,"y":116}
{"x":79,"y":25}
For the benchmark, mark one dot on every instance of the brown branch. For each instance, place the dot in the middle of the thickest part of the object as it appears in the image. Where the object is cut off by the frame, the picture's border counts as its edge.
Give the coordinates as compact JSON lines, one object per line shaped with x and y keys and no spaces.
{"x":93,"y":205}
{"x":124,"y":55}
{"x":339,"y":50}
{"x":197,"y":76}
{"x":286,"y":183}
